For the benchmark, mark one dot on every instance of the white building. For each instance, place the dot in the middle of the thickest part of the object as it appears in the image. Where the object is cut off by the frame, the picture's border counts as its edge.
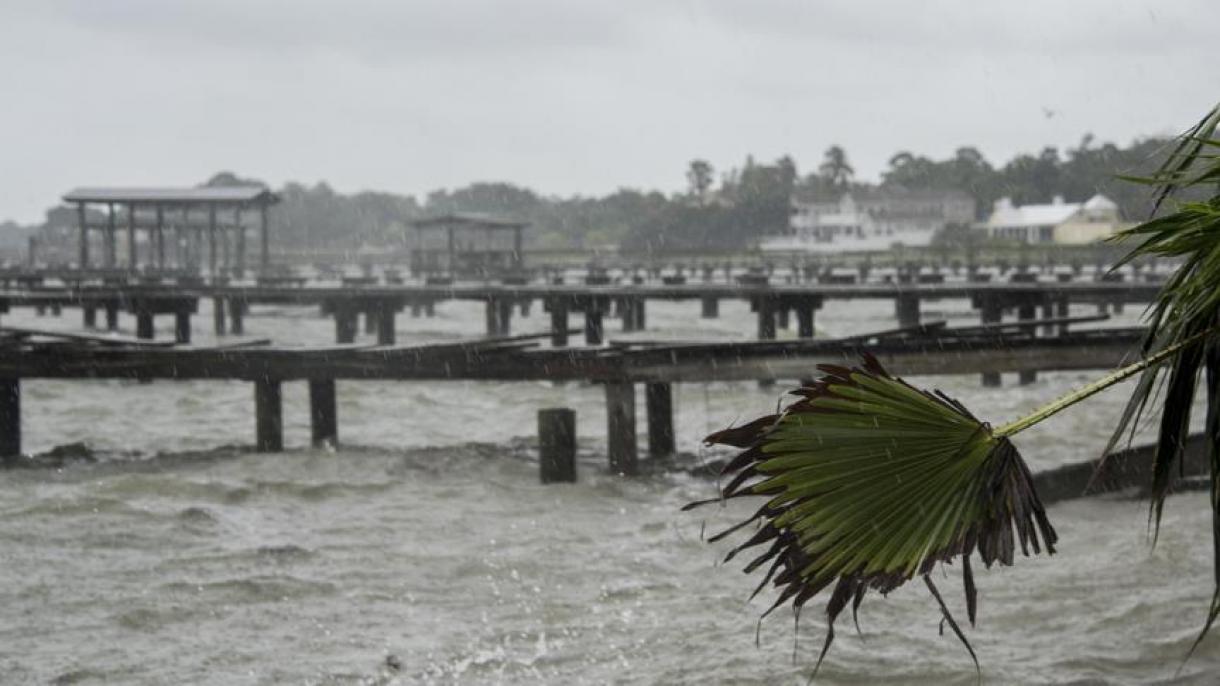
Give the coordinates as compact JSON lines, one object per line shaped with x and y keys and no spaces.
{"x":871,"y":220}
{"x":1058,"y":222}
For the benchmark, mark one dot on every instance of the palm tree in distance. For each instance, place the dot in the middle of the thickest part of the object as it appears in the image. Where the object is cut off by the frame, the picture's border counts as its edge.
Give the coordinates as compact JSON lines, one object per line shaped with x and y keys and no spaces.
{"x":869,"y":482}
{"x":835,"y":169}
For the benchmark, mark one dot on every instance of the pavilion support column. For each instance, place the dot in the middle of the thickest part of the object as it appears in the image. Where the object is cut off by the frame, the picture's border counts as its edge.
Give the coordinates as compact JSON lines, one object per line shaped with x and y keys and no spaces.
{"x":218,"y":315}
{"x":83,"y":226}
{"x":237,"y":310}
{"x":10,"y":419}
{"x":239,"y":265}
{"x":160,"y":238}
{"x":906,"y":307}
{"x":1027,"y":312}
{"x":659,"y":401}
{"x":112,"y":316}
{"x":110,"y":247}
{"x":212,"y":264}
{"x":559,"y":323}
{"x":620,"y":428}
{"x":268,"y":416}
{"x":264,"y":239}
{"x":323,"y":413}
{"x":132,"y":256}
{"x":992,"y":313}
{"x":640,"y":310}
{"x":626,"y":308}
{"x":89,"y":316}
{"x":711,"y":307}
{"x":593,"y":323}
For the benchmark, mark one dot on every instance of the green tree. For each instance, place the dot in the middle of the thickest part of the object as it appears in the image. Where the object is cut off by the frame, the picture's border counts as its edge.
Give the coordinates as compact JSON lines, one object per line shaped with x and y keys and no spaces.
{"x":835,"y":168}
{"x":699,"y":179}
{"x":870,"y":482}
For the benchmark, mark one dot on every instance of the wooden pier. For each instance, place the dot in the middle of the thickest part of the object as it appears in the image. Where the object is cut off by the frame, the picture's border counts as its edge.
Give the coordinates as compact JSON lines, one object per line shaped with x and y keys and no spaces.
{"x":620,"y":368}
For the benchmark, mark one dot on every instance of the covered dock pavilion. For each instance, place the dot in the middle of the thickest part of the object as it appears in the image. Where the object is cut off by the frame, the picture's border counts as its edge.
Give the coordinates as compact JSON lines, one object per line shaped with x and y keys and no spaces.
{"x":467,"y":245}
{"x":215,"y":216}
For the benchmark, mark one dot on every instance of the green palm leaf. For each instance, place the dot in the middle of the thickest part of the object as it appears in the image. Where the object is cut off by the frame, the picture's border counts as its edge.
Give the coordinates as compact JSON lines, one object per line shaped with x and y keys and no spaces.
{"x":869,"y":483}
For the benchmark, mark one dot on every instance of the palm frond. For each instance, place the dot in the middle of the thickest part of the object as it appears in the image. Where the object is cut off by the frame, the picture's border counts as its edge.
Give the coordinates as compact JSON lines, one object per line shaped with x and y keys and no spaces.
{"x":869,"y":483}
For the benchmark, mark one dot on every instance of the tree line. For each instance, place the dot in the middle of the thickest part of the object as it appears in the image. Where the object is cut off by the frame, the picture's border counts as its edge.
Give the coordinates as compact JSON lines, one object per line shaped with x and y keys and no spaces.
{"x":724,"y":210}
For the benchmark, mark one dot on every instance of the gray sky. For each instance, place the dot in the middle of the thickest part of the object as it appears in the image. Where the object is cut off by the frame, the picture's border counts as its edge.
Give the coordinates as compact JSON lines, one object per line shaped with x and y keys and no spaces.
{"x":568,"y":96}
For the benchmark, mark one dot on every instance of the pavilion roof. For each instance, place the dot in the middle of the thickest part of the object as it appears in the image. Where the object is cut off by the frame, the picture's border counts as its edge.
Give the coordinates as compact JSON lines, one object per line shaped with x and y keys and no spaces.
{"x":202,"y":195}
{"x":468,"y":220}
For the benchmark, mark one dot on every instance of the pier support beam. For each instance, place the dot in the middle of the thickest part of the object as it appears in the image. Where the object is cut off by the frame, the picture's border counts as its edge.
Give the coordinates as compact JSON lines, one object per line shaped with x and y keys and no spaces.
{"x":218,"y":316}
{"x":370,"y":321}
{"x":144,"y":325}
{"x":505,"y":316}
{"x":906,"y":307}
{"x":237,"y":311}
{"x":89,"y":316}
{"x":345,"y":325}
{"x":1027,"y":312}
{"x":711,"y":308}
{"x":385,"y":324}
{"x":559,"y":323}
{"x":804,"y":320}
{"x":112,"y":317}
{"x":1062,"y":310}
{"x":620,"y":427}
{"x":182,"y":327}
{"x":593,"y":325}
{"x":557,"y":445}
{"x":268,"y":416}
{"x":766,"y":318}
{"x":659,"y":402}
{"x":323,"y":415}
{"x":992,"y":313}
{"x":10,"y":419}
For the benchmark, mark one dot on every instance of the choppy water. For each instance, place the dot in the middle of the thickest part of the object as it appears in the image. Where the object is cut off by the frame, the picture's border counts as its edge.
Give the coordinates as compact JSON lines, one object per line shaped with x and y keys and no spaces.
{"x":182,"y":557}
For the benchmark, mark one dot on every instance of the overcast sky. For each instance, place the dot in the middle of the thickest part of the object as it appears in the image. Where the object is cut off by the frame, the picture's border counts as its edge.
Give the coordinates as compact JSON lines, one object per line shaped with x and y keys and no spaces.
{"x":568,"y":96}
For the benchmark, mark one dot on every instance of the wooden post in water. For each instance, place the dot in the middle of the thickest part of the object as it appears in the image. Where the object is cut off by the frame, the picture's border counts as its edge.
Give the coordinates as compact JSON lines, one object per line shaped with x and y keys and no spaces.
{"x":370,"y":320}
{"x":112,"y":316}
{"x":766,"y":318}
{"x":711,"y":307}
{"x":557,"y":445}
{"x":559,"y":323}
{"x":268,"y":416}
{"x":491,"y":311}
{"x":10,"y":419}
{"x":659,"y":402}
{"x":620,"y":427}
{"x":626,"y":308}
{"x":323,"y":415}
{"x":1062,"y":310}
{"x":89,"y":316}
{"x":640,"y":311}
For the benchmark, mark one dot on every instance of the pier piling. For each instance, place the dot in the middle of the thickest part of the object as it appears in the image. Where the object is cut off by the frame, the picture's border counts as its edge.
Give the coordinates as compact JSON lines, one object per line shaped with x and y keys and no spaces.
{"x":10,"y":418}
{"x":620,"y":427}
{"x":557,"y":445}
{"x":268,"y":416}
{"x":559,"y":323}
{"x":323,"y":415}
{"x":659,"y":402}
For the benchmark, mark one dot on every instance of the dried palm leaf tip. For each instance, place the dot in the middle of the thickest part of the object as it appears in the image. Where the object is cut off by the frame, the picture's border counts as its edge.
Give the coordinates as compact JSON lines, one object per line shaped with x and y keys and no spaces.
{"x":869,"y":483}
